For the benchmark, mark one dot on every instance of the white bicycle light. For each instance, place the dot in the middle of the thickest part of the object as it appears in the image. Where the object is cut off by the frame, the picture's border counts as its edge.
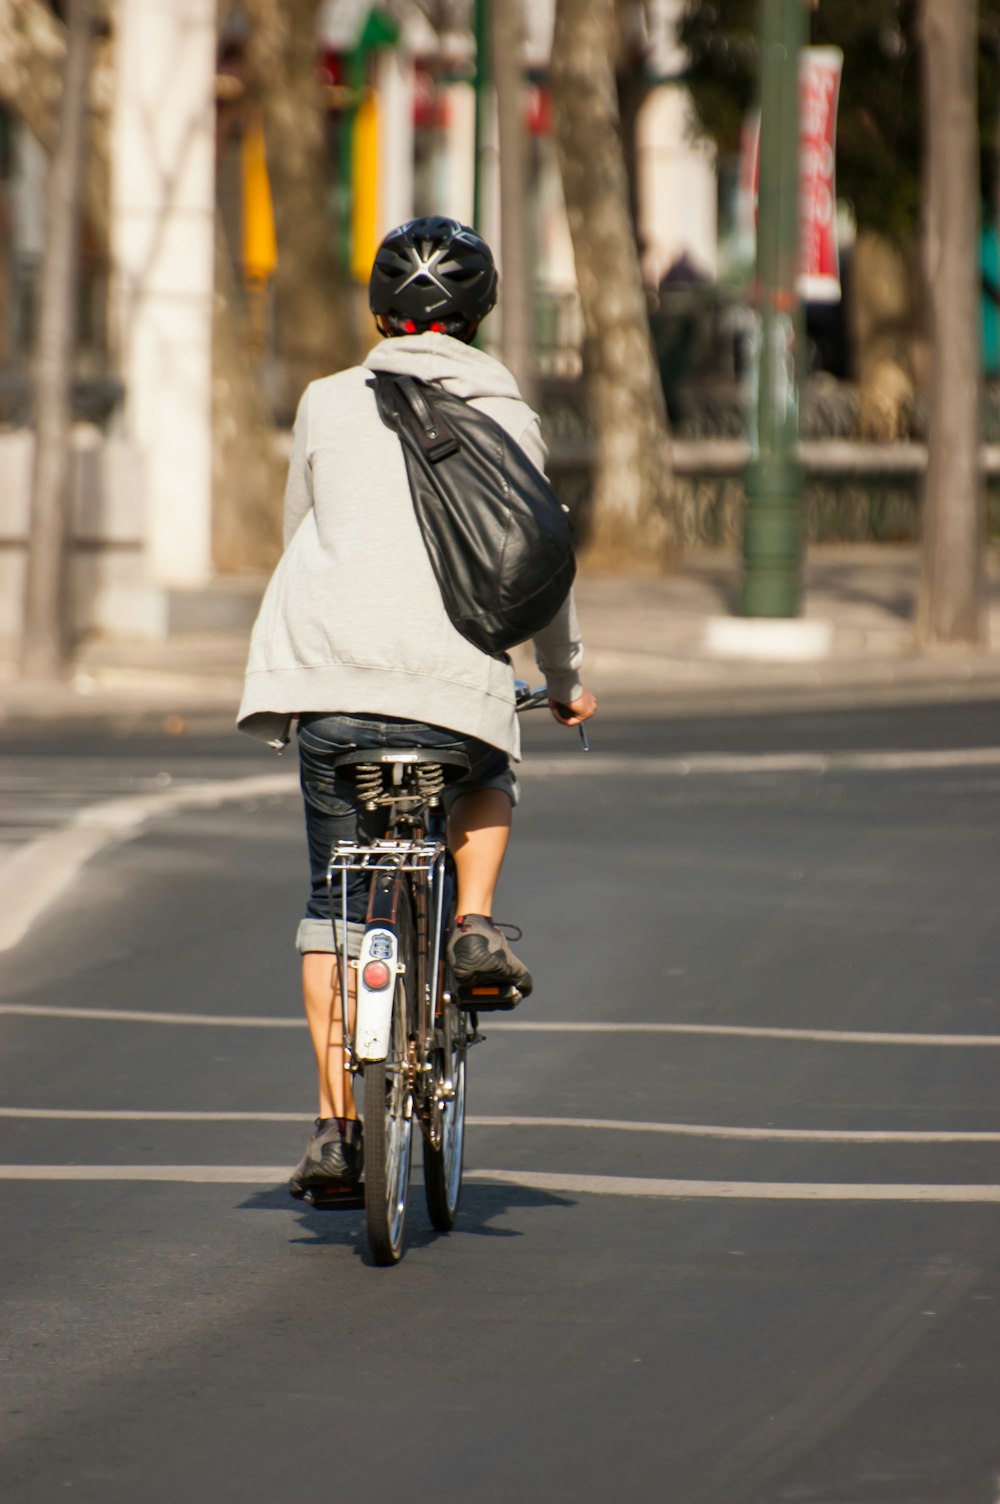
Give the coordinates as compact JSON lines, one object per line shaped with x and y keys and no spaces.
{"x":378,"y":965}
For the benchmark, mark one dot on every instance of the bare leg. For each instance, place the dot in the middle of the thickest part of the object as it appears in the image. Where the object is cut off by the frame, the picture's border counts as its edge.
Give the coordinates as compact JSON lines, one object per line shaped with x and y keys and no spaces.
{"x":321,"y":990}
{"x":478,"y":832}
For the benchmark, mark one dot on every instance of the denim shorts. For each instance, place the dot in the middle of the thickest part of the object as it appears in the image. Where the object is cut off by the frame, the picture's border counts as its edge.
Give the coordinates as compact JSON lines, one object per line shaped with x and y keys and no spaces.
{"x":333,"y":812}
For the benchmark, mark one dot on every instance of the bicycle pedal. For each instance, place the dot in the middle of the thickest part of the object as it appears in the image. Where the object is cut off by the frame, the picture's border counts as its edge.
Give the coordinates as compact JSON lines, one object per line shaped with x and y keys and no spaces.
{"x":487,"y":999}
{"x":330,"y":1198}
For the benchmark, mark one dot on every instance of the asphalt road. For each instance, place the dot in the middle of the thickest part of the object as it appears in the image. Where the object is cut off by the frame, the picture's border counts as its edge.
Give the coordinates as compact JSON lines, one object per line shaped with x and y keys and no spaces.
{"x":777,"y":1278}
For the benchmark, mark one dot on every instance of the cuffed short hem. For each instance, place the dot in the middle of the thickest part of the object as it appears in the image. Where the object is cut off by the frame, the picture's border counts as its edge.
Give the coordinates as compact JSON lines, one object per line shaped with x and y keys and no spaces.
{"x":504,"y":781}
{"x":317,"y":934}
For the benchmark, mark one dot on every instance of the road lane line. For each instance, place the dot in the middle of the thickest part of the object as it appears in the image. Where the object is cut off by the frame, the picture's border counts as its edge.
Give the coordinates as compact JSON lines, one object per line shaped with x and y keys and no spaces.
{"x":594,"y":1185}
{"x":732,"y":1190}
{"x":135,"y":1016}
{"x":735,"y":1031}
{"x":751,"y":1031}
{"x":40,"y":870}
{"x":126,"y":1115}
{"x":708,"y":764}
{"x":182,"y":1174}
{"x":762,"y":1135}
{"x":486,"y":1120}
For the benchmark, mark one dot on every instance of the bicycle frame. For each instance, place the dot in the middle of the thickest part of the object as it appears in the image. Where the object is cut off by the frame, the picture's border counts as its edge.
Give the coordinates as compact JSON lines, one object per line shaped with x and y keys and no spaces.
{"x":407,"y":1036}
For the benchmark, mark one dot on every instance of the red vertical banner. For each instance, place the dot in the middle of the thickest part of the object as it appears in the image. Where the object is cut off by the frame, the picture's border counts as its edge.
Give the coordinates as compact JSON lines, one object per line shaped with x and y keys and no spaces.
{"x":749,"y":176}
{"x":819,"y":93}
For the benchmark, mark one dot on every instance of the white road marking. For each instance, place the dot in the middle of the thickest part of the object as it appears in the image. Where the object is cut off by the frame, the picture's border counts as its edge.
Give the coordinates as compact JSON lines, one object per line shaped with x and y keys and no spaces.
{"x":752,"y":1031}
{"x":763,"y":1135}
{"x":189,"y":1174}
{"x":594,"y":1185}
{"x":134,"y":1016}
{"x":40,"y":870}
{"x":113,"y":1115}
{"x":738,"y":1031}
{"x":708,"y":764}
{"x":486,"y":1120}
{"x":733,"y":1190}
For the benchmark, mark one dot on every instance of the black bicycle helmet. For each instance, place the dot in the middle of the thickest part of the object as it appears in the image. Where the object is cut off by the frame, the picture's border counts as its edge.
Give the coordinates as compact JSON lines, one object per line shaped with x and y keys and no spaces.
{"x":435,"y":274}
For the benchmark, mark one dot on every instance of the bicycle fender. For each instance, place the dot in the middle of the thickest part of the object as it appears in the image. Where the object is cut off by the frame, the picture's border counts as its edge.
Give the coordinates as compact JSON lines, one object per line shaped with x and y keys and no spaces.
{"x":374,"y":1007}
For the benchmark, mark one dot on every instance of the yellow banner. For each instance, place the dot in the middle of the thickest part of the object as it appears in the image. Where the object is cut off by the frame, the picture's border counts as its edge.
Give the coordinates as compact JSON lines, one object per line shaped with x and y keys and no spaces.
{"x":364,"y":213}
{"x":260,"y":246}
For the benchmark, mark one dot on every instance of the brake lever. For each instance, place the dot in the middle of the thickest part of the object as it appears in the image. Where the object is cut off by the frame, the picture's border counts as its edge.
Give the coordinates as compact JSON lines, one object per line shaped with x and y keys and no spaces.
{"x":564,"y":710}
{"x":526,"y":699}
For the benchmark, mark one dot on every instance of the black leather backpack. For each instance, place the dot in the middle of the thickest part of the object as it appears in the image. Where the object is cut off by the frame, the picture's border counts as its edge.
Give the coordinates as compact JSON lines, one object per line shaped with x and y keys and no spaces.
{"x":498,"y":539}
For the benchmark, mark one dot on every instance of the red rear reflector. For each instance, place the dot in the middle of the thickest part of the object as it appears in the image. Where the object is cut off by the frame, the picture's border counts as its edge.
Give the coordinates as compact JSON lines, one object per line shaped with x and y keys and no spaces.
{"x":375,"y":975}
{"x":485,"y":991}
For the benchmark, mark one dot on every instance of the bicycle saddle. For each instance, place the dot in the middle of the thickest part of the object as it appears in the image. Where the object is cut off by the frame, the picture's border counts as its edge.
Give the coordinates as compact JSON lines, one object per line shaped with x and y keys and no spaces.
{"x":453,"y":764}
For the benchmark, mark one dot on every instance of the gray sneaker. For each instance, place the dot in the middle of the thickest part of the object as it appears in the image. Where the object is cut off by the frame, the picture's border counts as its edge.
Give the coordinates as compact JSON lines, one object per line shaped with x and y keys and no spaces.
{"x":480,"y":955}
{"x":332,"y":1157}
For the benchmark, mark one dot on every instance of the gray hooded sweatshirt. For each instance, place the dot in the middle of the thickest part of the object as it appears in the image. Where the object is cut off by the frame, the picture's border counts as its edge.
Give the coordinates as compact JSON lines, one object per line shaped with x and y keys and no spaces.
{"x":352,"y":619}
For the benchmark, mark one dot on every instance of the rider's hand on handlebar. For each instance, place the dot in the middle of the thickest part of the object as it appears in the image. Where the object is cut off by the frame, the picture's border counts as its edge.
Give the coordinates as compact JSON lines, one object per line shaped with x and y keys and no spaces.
{"x":574,"y":711}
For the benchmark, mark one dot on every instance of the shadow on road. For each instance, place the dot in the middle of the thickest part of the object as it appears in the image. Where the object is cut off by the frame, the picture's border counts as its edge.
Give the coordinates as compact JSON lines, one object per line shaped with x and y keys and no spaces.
{"x":344,"y":1228}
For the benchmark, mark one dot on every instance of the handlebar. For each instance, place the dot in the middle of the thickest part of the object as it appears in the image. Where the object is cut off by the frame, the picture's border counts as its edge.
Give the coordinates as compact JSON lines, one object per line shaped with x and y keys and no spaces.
{"x":526,"y":698}
{"x":529,"y":699}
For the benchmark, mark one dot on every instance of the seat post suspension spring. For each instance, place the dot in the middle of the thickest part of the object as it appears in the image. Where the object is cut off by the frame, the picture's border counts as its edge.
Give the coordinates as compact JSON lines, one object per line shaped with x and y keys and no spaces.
{"x":368,"y":780}
{"x":430,"y":780}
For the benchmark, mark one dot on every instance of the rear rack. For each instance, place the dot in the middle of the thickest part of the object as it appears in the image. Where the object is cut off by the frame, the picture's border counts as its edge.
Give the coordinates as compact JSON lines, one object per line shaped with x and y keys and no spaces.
{"x":405,"y":855}
{"x":423,"y":857}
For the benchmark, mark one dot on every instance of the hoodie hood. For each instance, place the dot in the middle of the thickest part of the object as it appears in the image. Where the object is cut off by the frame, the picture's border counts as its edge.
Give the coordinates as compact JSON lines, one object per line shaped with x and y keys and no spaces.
{"x":460,"y":369}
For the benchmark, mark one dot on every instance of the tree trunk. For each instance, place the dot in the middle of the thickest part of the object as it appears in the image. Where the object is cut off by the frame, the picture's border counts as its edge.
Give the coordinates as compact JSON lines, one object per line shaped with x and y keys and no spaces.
{"x":247,"y":470}
{"x":630,"y":515}
{"x":950,"y":607}
{"x":32,"y":65}
{"x":46,"y":608}
{"x":316,"y":303}
{"x":517,"y":284}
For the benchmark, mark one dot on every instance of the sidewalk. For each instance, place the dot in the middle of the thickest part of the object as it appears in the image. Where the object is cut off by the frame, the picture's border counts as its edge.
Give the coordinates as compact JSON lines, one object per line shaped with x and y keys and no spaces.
{"x":650,"y":642}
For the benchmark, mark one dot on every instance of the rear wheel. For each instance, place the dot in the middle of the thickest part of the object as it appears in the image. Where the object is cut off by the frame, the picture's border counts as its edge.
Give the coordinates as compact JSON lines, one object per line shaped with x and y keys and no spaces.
{"x":388,"y":1131}
{"x":445,"y":1144}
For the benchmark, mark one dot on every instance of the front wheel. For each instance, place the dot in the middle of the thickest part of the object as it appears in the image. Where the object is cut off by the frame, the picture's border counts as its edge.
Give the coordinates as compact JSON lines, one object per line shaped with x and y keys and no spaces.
{"x":444,"y":1147}
{"x":388,"y":1129}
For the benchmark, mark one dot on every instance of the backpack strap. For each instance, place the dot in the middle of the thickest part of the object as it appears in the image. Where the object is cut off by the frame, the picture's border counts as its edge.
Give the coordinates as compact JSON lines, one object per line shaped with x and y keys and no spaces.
{"x":417,"y":413}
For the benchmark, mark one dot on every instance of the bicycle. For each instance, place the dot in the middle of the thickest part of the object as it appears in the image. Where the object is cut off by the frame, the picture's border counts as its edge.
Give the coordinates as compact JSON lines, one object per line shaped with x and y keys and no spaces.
{"x":412,"y":1027}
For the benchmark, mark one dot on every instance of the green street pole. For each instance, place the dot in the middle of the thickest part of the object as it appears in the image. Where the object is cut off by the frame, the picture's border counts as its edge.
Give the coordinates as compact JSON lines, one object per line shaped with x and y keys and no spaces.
{"x":483,"y":71}
{"x":772,"y":531}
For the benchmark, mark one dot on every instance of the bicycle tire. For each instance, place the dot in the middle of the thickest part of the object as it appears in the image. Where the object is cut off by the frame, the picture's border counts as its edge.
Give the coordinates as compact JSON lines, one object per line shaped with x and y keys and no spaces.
{"x":443,"y":1165}
{"x":388,"y":1126}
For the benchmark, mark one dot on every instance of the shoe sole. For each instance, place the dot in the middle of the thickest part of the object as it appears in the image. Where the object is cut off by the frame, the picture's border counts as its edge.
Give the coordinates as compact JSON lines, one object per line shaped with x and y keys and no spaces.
{"x":317,"y":1175}
{"x":323,"y":1182}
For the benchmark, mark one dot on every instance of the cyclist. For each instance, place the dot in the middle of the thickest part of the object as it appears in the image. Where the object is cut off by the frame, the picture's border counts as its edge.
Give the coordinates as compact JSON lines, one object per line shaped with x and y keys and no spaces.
{"x":352,"y":639}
